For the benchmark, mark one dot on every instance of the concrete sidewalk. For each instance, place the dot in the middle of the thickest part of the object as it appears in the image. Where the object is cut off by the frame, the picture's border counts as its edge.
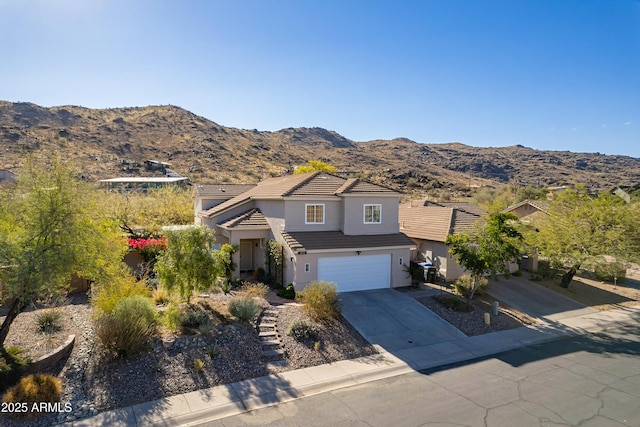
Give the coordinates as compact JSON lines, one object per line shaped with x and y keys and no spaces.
{"x":222,"y":401}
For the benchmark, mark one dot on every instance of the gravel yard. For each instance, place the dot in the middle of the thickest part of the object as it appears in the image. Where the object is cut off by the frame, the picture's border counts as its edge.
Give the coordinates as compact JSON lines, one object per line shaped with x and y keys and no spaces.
{"x":231,"y":352}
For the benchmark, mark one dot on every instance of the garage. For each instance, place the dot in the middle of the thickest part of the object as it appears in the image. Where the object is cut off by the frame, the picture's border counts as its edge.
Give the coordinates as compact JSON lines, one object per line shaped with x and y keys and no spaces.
{"x":356,"y":273}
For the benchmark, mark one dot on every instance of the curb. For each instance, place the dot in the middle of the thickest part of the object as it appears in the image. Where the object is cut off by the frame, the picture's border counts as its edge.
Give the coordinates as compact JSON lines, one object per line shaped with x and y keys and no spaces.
{"x":206,"y":405}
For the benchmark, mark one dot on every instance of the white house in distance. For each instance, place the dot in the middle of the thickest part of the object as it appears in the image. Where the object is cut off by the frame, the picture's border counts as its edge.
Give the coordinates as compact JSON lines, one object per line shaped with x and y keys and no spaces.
{"x":333,"y":229}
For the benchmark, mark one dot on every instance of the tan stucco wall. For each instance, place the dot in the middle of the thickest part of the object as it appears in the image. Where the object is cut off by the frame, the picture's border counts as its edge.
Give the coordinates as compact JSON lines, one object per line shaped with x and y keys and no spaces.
{"x":295,"y":215}
{"x":354,"y":215}
{"x":438,"y":254}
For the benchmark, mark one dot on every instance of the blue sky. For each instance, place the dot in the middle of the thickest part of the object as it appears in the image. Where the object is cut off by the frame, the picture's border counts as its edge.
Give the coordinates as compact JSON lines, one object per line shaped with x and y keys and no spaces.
{"x":547,"y":74}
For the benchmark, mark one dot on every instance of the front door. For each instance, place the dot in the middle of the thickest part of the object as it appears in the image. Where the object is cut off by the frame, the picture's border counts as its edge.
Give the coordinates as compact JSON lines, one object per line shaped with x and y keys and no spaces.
{"x":246,"y":255}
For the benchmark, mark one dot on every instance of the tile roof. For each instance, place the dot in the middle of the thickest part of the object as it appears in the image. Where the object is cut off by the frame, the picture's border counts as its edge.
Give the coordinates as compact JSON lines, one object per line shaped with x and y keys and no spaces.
{"x":541,"y":205}
{"x":316,"y":240}
{"x":463,"y":206}
{"x":252,"y":218}
{"x":221,"y":190}
{"x":434,"y":222}
{"x":308,"y":184}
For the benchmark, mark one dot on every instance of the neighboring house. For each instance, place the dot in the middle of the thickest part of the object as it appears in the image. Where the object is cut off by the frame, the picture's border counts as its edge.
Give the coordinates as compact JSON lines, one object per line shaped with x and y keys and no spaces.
{"x":428,"y":224}
{"x":527,"y":210}
{"x":528,"y":207}
{"x":331,"y":228}
{"x":208,"y":196}
{"x":143,"y":183}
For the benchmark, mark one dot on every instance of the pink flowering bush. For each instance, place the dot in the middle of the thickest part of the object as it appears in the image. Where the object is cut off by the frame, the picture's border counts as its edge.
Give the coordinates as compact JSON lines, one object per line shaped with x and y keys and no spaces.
{"x":148,"y":247}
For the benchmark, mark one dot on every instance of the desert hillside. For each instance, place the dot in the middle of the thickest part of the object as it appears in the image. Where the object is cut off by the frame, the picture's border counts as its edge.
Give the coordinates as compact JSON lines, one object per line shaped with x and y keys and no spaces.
{"x":115,"y":142}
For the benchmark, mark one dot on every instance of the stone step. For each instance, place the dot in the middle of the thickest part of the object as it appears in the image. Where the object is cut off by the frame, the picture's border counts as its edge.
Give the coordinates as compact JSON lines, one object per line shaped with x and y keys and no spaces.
{"x":265,"y":334}
{"x":266,"y":325}
{"x":269,"y":353}
{"x":268,"y":343}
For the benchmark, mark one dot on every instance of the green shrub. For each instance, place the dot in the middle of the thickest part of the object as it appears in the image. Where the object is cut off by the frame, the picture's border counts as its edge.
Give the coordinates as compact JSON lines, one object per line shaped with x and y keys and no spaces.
{"x":110,"y":292}
{"x":224,"y":284}
{"x":289,"y":292}
{"x":198,"y":365}
{"x":49,"y":320}
{"x":172,"y":317}
{"x":258,"y":290}
{"x":320,"y":300}
{"x":244,"y":308}
{"x":11,"y":366}
{"x":302,"y":330}
{"x":464,"y":285}
{"x":610,"y":271}
{"x":194,"y":317}
{"x":127,"y":330}
{"x":32,"y":389}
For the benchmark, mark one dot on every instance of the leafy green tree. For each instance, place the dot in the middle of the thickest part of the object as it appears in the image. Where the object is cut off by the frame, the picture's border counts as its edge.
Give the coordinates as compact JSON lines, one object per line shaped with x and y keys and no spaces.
{"x":188,"y":264}
{"x":142,"y":214}
{"x":315,"y":165}
{"x":51,"y":227}
{"x":580,"y":229}
{"x":224,"y":259}
{"x":488,"y":248}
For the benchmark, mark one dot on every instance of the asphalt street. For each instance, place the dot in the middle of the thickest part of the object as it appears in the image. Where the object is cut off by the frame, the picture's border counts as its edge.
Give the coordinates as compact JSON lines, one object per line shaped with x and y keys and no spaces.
{"x":591,"y":380}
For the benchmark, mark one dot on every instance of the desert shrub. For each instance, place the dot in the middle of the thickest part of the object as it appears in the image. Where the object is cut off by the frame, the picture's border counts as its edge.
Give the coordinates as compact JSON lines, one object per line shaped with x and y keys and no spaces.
{"x":320,"y":300}
{"x":244,"y":308}
{"x":451,"y":302}
{"x":172,"y":317}
{"x":32,"y":389}
{"x":11,"y":366}
{"x":302,"y":330}
{"x":110,"y":292}
{"x":289,"y":292}
{"x":610,"y":271}
{"x":160,"y":296}
{"x":198,"y":365}
{"x":224,"y":284}
{"x":194,"y":317}
{"x":127,"y":330}
{"x":258,"y":290}
{"x":464,"y":285}
{"x":49,"y":320}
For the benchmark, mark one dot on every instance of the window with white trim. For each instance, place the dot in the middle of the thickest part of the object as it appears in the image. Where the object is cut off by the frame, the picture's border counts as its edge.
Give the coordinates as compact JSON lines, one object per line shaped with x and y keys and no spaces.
{"x":373,"y":214}
{"x":314,"y":214}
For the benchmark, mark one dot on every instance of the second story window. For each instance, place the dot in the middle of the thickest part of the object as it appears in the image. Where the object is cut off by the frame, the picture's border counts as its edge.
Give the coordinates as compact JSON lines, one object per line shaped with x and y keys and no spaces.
{"x":314,"y":214}
{"x":372,"y":214}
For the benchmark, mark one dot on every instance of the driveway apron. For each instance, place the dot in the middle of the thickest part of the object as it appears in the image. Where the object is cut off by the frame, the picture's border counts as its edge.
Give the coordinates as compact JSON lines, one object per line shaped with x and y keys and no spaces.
{"x":394,"y":321}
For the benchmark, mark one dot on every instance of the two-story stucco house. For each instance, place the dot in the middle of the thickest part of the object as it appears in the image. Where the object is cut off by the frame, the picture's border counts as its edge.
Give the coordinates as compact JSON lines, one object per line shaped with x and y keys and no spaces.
{"x":333,"y":229}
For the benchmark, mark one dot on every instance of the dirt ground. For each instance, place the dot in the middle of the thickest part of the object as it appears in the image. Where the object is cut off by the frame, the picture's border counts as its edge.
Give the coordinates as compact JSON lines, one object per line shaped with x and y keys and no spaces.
{"x":597,"y":294}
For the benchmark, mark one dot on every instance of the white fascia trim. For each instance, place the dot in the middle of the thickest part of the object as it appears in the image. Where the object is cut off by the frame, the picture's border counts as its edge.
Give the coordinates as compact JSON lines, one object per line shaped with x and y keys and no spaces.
{"x":363,"y":250}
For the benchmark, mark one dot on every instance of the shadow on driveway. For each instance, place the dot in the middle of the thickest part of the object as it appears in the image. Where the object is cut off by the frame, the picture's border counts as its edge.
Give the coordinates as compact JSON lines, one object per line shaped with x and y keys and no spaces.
{"x":535,"y":300}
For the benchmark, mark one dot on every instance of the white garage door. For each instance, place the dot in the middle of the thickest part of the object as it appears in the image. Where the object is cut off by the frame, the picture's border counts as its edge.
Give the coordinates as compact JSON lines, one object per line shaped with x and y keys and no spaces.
{"x":356,"y":273}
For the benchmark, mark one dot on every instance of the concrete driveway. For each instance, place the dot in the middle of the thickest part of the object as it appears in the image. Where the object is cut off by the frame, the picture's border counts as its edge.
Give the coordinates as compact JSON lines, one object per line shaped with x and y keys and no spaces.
{"x":394,"y":321}
{"x":535,"y":300}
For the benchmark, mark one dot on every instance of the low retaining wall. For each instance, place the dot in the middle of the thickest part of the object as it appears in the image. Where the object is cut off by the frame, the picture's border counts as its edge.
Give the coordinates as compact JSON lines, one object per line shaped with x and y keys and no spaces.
{"x":49,"y":360}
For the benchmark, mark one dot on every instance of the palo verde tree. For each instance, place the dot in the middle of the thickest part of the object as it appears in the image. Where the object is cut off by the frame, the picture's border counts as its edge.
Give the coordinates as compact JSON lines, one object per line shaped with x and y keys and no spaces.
{"x":488,"y":248}
{"x":315,"y":165}
{"x":188,"y":264}
{"x":581,"y":229}
{"x":51,"y":227}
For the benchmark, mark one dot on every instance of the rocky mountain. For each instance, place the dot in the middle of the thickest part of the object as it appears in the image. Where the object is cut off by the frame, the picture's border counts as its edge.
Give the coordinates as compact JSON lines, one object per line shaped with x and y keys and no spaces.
{"x":114,"y":142}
